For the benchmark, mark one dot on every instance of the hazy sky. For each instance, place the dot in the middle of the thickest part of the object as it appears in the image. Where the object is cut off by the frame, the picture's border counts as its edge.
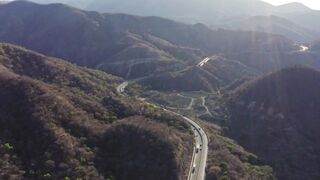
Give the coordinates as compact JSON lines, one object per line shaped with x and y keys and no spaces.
{"x":314,"y":4}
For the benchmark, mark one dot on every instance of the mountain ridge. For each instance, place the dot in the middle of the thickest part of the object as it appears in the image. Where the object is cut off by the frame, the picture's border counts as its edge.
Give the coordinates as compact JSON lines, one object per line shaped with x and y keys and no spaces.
{"x":122,"y":44}
{"x":275,"y":117}
{"x":65,"y":115}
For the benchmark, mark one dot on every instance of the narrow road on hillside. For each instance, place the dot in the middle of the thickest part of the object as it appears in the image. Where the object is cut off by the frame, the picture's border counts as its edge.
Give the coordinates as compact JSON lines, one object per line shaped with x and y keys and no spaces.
{"x":205,"y":106}
{"x":191,"y":101}
{"x":204,"y":61}
{"x":200,"y":152}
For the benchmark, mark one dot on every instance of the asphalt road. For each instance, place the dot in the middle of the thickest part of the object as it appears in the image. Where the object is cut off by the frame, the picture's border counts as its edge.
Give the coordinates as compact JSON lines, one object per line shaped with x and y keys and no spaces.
{"x":199,"y":156}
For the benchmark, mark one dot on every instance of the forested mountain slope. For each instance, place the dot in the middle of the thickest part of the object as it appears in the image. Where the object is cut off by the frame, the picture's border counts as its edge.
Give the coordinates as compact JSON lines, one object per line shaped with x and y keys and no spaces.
{"x":123,"y":44}
{"x":59,"y":120}
{"x":277,"y":117}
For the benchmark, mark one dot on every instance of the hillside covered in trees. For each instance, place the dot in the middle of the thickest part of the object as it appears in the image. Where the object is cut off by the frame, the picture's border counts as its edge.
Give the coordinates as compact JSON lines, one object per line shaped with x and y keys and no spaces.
{"x":59,"y":121}
{"x":277,"y":117}
{"x":62,"y":121}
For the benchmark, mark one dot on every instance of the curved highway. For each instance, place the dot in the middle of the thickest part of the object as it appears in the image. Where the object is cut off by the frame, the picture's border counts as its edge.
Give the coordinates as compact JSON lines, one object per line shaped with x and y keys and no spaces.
{"x":200,"y":150}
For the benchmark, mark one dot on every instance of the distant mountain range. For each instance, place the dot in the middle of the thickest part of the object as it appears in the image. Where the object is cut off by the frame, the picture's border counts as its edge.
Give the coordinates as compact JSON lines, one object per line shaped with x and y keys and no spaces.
{"x":217,"y":13}
{"x":154,"y":48}
{"x":270,"y":24}
{"x":133,"y":46}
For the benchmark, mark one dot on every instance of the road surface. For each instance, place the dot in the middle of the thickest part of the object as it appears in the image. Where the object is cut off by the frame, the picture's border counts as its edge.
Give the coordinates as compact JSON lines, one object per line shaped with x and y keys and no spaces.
{"x":199,"y":157}
{"x":121,"y":88}
{"x":204,"y":61}
{"x":205,"y":106}
{"x":303,"y":48}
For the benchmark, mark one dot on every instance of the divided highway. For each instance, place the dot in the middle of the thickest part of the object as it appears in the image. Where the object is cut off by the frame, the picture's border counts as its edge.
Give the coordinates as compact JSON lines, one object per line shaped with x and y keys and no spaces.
{"x":200,"y":152}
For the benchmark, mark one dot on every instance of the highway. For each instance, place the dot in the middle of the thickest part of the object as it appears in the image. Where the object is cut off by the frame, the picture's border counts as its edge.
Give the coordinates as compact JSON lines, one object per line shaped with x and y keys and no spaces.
{"x":199,"y":156}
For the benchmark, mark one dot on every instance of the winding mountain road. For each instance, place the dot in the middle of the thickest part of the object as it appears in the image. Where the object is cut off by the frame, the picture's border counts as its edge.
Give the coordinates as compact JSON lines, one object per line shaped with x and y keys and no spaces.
{"x":191,"y":101}
{"x":200,"y":152}
{"x":203,"y":98}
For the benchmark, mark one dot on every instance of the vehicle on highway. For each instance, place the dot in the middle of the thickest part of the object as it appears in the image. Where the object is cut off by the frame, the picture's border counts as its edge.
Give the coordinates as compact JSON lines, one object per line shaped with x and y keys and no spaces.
{"x":193,"y":168}
{"x":197,"y":148}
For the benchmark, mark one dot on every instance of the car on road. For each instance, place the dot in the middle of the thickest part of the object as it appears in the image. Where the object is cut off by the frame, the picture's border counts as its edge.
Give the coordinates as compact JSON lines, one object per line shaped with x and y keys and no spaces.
{"x":197,"y":148}
{"x":193,"y":168}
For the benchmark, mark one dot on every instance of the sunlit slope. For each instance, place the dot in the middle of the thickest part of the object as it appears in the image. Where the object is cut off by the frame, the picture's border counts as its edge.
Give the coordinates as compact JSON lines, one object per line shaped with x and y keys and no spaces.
{"x":122,"y":44}
{"x":59,"y":121}
{"x":134,"y":47}
{"x":207,"y":75}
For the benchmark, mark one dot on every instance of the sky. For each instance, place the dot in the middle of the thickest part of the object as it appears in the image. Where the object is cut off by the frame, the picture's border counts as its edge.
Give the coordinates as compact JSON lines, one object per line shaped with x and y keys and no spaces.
{"x":314,"y":4}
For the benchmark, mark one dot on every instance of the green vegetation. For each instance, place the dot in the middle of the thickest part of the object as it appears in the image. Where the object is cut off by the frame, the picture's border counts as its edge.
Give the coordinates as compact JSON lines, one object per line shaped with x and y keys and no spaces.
{"x":47,"y":175}
{"x":134,"y":89}
{"x":8,"y":146}
{"x":111,"y":178}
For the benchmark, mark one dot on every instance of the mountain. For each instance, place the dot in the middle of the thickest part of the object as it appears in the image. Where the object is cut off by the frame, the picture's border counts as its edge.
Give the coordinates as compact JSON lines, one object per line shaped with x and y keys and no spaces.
{"x":188,"y":11}
{"x":307,"y":19}
{"x":300,"y":15}
{"x":270,"y":24}
{"x":152,"y":48}
{"x":277,"y":118}
{"x":221,"y":71}
{"x":62,"y":121}
{"x":293,"y":7}
{"x":208,"y":75}
{"x":124,"y":45}
{"x":210,"y":12}
{"x":189,"y":79}
{"x":147,"y":47}
{"x":59,"y":121}
{"x":109,"y":38}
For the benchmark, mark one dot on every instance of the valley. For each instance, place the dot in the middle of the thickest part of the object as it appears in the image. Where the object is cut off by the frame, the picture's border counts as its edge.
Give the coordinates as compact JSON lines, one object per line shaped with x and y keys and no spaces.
{"x":208,"y":91}
{"x":200,"y":150}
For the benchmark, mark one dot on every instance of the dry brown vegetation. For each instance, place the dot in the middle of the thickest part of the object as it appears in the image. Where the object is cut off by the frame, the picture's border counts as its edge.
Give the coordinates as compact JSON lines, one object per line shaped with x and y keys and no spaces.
{"x":61,"y":121}
{"x":137,"y":139}
{"x":229,"y":161}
